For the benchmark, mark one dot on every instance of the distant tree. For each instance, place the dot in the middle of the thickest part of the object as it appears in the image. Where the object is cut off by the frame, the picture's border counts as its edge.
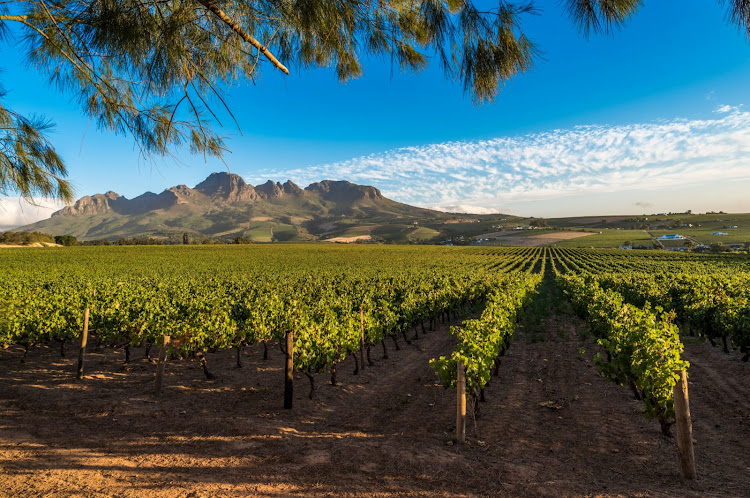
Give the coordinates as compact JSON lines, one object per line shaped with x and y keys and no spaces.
{"x":140,"y":241}
{"x":539,"y":222}
{"x":66,"y":240}
{"x":98,"y":242}
{"x":25,"y":238}
{"x":242,"y":240}
{"x":689,"y":245}
{"x":147,"y":241}
{"x":627,"y":243}
{"x":148,"y":69}
{"x":719,"y":247}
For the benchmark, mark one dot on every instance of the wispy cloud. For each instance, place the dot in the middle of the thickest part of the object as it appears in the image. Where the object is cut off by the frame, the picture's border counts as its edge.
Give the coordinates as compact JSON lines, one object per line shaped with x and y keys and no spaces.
{"x":16,"y":212}
{"x":500,"y":173}
{"x":464,"y":208}
{"x":723,"y":109}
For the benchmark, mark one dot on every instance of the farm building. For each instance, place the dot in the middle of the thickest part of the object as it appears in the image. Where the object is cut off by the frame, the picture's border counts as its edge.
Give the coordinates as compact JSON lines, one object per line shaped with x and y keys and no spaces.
{"x":671,"y":236}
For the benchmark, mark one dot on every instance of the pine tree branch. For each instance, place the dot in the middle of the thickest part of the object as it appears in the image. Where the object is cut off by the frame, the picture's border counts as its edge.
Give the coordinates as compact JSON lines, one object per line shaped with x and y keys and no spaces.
{"x":211,"y":6}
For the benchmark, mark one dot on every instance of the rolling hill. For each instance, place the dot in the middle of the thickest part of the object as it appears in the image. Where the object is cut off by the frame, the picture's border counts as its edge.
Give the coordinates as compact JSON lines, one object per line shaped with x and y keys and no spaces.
{"x":225,"y":207}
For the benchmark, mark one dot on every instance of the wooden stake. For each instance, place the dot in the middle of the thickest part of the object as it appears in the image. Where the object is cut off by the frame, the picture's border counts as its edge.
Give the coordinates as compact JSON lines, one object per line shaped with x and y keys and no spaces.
{"x":84,"y":340}
{"x":461,"y":404}
{"x":289,"y":371}
{"x":160,"y":365}
{"x":362,"y":338}
{"x":684,"y":427}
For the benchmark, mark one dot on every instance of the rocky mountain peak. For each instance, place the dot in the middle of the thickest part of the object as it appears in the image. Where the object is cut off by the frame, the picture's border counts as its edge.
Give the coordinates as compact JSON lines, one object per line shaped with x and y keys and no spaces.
{"x":227,"y":187}
{"x":91,"y":204}
{"x":183,"y":194}
{"x":270,"y":190}
{"x":290,"y":187}
{"x":343,"y":190}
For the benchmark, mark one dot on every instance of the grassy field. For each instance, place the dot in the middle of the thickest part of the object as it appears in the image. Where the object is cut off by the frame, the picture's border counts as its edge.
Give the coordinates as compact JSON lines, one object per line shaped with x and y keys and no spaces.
{"x":423,"y":234}
{"x":705,"y":235}
{"x":609,"y":238}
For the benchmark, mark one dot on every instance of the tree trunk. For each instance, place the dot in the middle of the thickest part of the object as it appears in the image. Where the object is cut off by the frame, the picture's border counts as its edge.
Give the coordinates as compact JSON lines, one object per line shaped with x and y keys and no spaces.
{"x":362,"y":335}
{"x":665,"y":427}
{"x":289,"y":371}
{"x":333,"y":374}
{"x":726,"y":343}
{"x":265,"y":350}
{"x":369,"y":359}
{"x":460,"y":404}
{"x":395,"y":343}
{"x":406,"y":339}
{"x":385,"y":350}
{"x":160,"y":365}
{"x":239,"y":358}
{"x":127,"y":352}
{"x":25,"y":352}
{"x":684,"y":427}
{"x":84,"y":341}
{"x":312,"y":384}
{"x":204,"y":366}
{"x":148,"y":352}
{"x":62,"y":348}
{"x":635,"y":390}
{"x":356,"y":364}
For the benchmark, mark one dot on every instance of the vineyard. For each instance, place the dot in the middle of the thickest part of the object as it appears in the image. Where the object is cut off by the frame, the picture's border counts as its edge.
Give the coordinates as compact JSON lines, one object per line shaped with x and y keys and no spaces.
{"x":564,"y":351}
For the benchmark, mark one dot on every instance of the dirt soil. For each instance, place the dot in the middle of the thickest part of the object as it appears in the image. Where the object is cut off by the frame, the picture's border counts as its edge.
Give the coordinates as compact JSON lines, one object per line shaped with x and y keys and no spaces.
{"x":33,"y":244}
{"x":347,"y":240}
{"x":387,"y":431}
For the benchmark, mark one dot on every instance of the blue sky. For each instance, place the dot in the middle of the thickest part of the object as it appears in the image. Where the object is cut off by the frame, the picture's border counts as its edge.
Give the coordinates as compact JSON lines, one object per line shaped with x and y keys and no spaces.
{"x":653,"y":117}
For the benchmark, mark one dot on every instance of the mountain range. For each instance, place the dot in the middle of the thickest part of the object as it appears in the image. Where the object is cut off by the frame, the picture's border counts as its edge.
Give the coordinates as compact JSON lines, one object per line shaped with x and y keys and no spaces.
{"x":224,"y":207}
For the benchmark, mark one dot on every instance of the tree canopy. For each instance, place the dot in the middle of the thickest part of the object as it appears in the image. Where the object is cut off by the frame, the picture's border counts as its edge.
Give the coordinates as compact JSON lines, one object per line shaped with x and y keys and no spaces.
{"x":146,"y":68}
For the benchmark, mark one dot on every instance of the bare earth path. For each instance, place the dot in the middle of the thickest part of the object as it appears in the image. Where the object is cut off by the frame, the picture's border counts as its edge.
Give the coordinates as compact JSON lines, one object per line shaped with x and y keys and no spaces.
{"x":383,"y":432}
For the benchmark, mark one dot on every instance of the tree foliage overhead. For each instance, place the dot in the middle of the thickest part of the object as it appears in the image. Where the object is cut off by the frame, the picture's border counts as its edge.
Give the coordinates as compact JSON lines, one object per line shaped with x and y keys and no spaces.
{"x":29,"y":164}
{"x":148,"y":68}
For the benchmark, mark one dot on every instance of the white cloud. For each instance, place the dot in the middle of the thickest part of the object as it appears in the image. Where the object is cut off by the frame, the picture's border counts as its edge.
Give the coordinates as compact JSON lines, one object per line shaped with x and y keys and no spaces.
{"x":723,"y":109}
{"x":462,"y":208}
{"x":16,"y":212}
{"x":501,"y":173}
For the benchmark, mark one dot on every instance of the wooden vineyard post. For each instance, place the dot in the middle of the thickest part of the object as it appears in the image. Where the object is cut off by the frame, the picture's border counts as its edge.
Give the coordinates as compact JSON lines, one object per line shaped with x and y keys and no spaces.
{"x":289,"y":371}
{"x":160,"y":365}
{"x":362,"y":337}
{"x":684,"y":427}
{"x":84,"y":340}
{"x":461,"y":404}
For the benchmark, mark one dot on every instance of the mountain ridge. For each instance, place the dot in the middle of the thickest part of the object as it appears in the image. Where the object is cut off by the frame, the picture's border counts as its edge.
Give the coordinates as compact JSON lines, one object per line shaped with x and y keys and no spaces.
{"x":225,"y":206}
